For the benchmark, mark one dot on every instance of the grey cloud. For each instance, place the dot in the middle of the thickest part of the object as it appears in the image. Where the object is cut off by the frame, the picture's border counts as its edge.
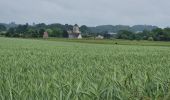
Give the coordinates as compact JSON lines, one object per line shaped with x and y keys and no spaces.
{"x":89,"y":12}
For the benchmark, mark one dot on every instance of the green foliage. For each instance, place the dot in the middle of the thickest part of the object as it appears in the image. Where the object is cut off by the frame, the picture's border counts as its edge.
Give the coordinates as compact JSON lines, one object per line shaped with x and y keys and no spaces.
{"x":84,"y":29}
{"x":10,"y":32}
{"x":41,"y":32}
{"x":65,"y":34}
{"x":2,"y":28}
{"x":59,"y":30}
{"x":117,"y":28}
{"x":113,"y":41}
{"x":48,"y":70}
{"x":33,"y":33}
{"x":157,"y":34}
{"x":123,"y":34}
{"x":50,"y":31}
{"x":41,"y":26}
{"x":54,"y":30}
{"x":57,"y":33}
{"x":22,"y":29}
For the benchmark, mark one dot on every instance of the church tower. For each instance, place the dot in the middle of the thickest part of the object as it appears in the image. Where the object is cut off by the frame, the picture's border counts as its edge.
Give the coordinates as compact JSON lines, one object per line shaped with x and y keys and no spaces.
{"x":76,"y":29}
{"x":75,"y":33}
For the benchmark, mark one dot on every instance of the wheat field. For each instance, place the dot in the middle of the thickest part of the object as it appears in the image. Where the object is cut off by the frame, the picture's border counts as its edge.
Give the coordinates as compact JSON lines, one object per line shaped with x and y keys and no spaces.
{"x":50,"y":70}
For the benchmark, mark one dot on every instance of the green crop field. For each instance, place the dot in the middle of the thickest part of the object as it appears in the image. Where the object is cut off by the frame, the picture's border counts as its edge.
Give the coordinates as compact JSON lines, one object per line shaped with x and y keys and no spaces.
{"x":53,"y":70}
{"x":113,"y":42}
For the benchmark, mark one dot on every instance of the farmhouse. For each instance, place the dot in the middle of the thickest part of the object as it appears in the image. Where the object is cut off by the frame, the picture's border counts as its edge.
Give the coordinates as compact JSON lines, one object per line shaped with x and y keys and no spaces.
{"x":75,"y":33}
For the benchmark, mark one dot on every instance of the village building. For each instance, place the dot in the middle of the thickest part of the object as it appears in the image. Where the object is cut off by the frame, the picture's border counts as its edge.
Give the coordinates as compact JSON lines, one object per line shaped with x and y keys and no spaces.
{"x":112,"y":33}
{"x":45,"y":35}
{"x":75,"y":33}
{"x":100,"y":37}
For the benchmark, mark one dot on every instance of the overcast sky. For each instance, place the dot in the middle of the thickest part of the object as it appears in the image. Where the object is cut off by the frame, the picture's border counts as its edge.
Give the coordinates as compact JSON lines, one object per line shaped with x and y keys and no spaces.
{"x":88,"y":12}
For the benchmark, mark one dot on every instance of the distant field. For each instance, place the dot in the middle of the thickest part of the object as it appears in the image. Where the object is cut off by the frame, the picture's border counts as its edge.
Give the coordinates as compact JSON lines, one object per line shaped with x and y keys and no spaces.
{"x":113,"y":42}
{"x":52,"y":70}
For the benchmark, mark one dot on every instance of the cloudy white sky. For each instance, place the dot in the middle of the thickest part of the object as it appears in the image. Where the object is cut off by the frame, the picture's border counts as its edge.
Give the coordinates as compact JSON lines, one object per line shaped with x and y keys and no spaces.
{"x":88,"y":12}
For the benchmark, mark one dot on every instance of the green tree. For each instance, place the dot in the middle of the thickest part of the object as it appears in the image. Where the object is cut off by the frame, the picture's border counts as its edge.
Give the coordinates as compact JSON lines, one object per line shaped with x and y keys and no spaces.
{"x":57,"y":32}
{"x":50,"y":32}
{"x":65,"y":34}
{"x":124,"y":34}
{"x":2,"y":28}
{"x":22,"y":30}
{"x":33,"y":33}
{"x":167,"y":34}
{"x":158,"y":34}
{"x":41,"y":32}
{"x":84,"y":29}
{"x":10,"y":32}
{"x":40,"y":26}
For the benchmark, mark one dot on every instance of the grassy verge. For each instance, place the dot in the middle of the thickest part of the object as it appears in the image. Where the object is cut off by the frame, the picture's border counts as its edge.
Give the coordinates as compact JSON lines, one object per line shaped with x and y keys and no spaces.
{"x":113,"y":42}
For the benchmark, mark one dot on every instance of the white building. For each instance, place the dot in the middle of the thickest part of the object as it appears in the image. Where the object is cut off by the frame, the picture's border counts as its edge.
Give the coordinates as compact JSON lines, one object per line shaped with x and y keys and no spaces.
{"x":100,"y":37}
{"x":75,"y":33}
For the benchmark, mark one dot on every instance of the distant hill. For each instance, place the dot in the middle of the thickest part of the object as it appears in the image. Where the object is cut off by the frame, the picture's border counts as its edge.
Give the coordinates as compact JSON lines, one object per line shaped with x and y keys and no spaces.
{"x":102,"y":28}
{"x":142,"y":27}
{"x":116,"y":28}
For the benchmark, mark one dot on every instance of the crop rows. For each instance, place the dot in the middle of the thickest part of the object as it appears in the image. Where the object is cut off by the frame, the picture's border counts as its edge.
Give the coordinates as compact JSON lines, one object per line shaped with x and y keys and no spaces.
{"x":47,"y":70}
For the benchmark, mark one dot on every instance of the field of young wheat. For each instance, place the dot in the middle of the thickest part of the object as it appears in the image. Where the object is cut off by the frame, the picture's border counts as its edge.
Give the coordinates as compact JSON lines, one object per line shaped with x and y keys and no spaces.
{"x":49,"y":70}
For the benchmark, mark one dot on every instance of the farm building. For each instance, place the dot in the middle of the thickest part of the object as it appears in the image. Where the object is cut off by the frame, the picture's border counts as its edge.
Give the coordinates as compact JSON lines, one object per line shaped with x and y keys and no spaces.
{"x":45,"y":35}
{"x":75,"y":33}
{"x":100,"y":37}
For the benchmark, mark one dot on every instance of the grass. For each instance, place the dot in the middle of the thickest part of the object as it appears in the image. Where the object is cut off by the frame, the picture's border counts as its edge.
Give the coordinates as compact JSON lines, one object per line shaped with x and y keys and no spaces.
{"x":50,"y":70}
{"x":114,"y":41}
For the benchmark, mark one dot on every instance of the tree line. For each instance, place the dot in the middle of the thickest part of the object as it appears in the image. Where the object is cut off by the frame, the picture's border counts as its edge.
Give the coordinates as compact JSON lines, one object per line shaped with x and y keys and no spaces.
{"x":60,"y":31}
{"x":37,"y":31}
{"x":157,"y":34}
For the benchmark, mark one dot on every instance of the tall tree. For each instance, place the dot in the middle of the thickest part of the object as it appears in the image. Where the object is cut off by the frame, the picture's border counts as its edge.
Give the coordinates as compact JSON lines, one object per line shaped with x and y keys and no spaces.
{"x":41,"y":32}
{"x":84,"y":29}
